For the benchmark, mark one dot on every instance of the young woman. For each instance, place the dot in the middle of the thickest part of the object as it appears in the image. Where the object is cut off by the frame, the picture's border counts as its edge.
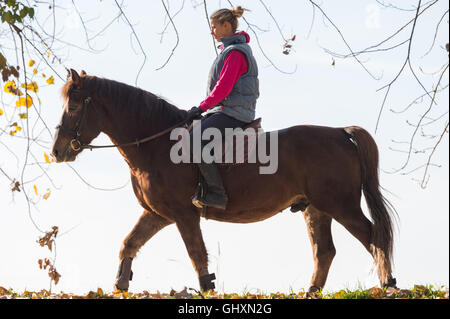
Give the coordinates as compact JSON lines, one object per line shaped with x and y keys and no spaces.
{"x":232,"y":90}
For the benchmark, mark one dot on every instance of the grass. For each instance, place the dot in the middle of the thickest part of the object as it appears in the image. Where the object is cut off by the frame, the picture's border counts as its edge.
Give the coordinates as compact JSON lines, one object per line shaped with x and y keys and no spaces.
{"x":417,"y":292}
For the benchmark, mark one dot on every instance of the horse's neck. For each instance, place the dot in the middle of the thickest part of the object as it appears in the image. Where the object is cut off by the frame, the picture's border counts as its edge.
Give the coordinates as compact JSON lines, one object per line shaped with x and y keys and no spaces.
{"x":122,"y":126}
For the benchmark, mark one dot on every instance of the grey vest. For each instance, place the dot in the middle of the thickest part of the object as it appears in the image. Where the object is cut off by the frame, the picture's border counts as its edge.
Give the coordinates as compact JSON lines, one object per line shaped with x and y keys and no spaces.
{"x":241,"y":102}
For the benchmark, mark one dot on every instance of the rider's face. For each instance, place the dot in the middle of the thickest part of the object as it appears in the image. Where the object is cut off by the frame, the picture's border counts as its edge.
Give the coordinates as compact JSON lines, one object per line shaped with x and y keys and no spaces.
{"x":219,"y":30}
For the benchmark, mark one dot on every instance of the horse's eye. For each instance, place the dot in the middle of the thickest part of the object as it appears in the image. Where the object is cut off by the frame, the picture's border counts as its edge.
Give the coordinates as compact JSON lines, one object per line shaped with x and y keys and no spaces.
{"x":72,"y":108}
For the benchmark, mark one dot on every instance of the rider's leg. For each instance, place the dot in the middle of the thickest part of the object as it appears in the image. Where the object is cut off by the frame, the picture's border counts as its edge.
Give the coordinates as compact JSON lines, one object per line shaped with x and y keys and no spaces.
{"x":215,"y":194}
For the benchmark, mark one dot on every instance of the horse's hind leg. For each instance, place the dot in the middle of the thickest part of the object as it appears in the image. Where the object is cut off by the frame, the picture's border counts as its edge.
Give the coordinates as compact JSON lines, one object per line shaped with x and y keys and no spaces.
{"x":319,"y":231}
{"x":147,"y":226}
{"x":360,"y":227}
{"x":192,"y":236}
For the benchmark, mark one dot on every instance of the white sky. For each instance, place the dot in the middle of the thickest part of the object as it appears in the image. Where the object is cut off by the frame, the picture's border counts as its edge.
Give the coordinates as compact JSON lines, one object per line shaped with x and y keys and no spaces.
{"x":273,"y":255}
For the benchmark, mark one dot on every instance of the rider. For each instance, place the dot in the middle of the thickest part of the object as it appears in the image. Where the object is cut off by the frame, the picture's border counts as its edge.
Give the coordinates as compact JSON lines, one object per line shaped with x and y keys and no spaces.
{"x":232,"y":91}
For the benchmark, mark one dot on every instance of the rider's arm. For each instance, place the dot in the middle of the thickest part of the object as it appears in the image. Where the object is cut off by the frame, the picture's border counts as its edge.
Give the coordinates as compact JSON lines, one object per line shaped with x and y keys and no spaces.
{"x":234,"y":66}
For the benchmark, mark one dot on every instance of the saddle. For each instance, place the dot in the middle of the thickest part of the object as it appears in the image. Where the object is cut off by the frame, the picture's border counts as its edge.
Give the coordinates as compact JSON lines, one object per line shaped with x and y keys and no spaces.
{"x":230,"y":155}
{"x":248,"y":147}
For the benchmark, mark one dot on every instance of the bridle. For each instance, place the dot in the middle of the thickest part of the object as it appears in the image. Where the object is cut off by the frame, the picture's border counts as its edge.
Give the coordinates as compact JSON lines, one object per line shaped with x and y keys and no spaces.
{"x":77,"y":145}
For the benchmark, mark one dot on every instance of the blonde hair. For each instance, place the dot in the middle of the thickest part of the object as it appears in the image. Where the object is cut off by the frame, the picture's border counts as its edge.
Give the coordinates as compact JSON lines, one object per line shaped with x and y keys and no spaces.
{"x":227,"y":15}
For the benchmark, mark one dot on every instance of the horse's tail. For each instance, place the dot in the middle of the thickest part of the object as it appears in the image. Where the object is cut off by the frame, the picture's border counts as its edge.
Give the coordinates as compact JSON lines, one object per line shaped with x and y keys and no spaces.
{"x":382,"y":237}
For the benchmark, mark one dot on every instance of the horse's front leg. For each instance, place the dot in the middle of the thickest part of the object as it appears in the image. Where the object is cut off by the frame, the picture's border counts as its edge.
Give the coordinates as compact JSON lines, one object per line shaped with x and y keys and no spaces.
{"x":191,"y":233}
{"x":147,"y":226}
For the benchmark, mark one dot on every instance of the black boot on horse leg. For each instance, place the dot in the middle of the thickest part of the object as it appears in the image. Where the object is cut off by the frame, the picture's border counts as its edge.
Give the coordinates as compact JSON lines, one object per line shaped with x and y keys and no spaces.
{"x":215,"y":195}
{"x":206,"y":281}
{"x":124,"y":275}
{"x":391,"y":283}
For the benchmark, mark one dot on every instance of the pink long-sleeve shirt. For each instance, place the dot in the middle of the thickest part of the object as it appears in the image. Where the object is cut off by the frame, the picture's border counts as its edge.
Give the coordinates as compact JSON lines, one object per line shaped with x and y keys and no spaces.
{"x":234,"y":66}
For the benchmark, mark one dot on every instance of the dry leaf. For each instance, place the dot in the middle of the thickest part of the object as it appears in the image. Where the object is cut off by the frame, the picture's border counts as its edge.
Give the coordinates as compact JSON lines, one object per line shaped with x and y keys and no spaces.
{"x":47,"y":194}
{"x":47,"y":159}
{"x":48,"y":238}
{"x":51,"y":80}
{"x":16,"y":186}
{"x":376,"y":292}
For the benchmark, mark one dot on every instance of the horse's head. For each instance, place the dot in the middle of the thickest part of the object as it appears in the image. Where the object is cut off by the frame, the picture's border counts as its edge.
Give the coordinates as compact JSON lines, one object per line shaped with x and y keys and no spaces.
{"x":79,"y":121}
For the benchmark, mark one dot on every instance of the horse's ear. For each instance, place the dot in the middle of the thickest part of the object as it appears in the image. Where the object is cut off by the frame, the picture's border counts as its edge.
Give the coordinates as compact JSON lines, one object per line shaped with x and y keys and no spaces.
{"x":68,"y":74}
{"x":83,"y":73}
{"x":75,"y":77}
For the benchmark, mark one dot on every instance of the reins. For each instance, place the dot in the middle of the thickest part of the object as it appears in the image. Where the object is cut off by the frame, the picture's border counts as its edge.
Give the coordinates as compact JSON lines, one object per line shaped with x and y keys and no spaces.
{"x":77,"y":145}
{"x":141,"y":141}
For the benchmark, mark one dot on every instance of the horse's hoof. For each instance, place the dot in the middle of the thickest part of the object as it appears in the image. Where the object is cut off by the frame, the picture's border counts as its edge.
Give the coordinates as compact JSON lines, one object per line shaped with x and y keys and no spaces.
{"x":118,"y":287}
{"x":313,"y":289}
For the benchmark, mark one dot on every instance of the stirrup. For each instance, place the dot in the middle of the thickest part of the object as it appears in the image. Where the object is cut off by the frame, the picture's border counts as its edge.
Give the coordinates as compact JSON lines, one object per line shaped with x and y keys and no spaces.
{"x":200,"y":203}
{"x":199,"y":192}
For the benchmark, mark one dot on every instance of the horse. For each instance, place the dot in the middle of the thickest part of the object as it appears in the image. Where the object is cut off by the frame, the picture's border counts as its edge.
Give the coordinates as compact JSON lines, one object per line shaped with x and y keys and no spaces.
{"x":322,"y":171}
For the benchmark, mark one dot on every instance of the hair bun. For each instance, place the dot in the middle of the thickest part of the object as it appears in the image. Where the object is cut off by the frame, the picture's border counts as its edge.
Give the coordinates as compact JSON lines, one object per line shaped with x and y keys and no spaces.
{"x":238,"y":11}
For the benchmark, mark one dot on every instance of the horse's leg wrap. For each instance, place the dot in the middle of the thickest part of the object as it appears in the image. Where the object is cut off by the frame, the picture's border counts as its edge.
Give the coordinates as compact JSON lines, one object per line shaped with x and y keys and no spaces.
{"x":124,"y":274}
{"x":206,"y":282}
{"x":392,"y":282}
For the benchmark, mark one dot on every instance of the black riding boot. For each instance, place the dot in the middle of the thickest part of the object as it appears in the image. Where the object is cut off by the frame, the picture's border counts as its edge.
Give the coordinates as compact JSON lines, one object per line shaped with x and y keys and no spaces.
{"x":215,"y":193}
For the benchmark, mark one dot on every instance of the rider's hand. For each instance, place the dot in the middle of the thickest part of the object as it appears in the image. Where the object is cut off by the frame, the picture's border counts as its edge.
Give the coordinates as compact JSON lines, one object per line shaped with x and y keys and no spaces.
{"x":194,"y":113}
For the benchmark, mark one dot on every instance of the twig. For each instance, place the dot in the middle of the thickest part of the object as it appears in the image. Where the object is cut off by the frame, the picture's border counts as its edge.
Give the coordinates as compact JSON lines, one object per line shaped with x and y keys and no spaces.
{"x":423,"y":183}
{"x":137,"y":39}
{"x":176,"y":32}
{"x":209,"y":26}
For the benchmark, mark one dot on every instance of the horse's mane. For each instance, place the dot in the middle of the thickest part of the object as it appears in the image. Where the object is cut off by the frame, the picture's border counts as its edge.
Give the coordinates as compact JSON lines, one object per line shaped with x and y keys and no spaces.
{"x":143,"y":105}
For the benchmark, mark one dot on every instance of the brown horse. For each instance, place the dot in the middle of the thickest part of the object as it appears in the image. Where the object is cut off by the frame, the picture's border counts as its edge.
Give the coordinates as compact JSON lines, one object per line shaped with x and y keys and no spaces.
{"x":321,"y":170}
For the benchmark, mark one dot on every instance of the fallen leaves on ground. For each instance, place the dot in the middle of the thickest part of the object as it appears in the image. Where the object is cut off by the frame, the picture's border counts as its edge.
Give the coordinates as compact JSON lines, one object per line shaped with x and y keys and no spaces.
{"x":417,"y":292}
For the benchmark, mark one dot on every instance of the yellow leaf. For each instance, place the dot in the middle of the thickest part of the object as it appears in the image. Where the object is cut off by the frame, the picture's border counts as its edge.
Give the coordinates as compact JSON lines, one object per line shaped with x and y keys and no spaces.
{"x":1,"y":112}
{"x":12,"y":133}
{"x":47,"y":159}
{"x":30,"y":63}
{"x":23,"y":115}
{"x":35,"y":189}
{"x":47,"y":194}
{"x":34,"y":71}
{"x":51,"y":80}
{"x":33,"y":86}
{"x":100,"y":291}
{"x":48,"y":53}
{"x":11,"y":87}
{"x":43,"y":75}
{"x":21,"y":102}
{"x":8,"y":85}
{"x":18,"y":128}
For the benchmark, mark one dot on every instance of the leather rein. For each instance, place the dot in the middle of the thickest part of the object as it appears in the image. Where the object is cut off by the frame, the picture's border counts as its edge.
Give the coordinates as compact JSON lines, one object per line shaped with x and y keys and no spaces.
{"x":77,"y":145}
